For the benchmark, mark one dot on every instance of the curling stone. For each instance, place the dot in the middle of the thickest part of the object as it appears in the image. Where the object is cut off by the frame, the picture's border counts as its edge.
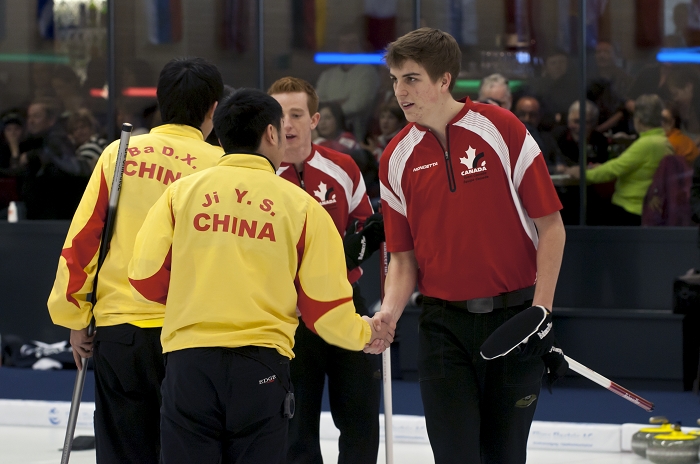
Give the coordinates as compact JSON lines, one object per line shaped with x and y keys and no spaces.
{"x":675,"y":447}
{"x":641,"y":439}
{"x":696,"y":433}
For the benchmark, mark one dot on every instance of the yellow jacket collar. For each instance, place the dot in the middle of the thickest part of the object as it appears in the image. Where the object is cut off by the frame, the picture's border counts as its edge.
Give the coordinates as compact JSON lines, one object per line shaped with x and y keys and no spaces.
{"x":247,"y":160}
{"x":178,"y":129}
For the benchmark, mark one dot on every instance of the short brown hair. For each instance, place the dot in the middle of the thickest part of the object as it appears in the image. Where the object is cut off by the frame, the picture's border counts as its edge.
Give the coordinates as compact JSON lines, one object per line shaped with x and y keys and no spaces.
{"x":437,"y":51}
{"x":294,"y":85}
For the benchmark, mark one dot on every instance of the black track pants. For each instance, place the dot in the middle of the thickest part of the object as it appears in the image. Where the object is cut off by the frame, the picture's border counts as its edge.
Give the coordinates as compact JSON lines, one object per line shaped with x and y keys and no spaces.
{"x":224,"y":405}
{"x":354,"y":390}
{"x":476,"y":411}
{"x":128,"y":372}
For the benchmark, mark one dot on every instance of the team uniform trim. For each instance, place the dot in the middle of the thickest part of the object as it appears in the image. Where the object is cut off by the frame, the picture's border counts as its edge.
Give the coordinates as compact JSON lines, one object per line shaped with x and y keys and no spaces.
{"x":484,"y":128}
{"x":397,"y":164}
{"x":353,"y":197}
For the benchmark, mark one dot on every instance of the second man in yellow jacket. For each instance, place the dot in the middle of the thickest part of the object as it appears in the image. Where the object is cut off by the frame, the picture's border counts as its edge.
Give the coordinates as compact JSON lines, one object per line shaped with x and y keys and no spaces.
{"x":233,"y":252}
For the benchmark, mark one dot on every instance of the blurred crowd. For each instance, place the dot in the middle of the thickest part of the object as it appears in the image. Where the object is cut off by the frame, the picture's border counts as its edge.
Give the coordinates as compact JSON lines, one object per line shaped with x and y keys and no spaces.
{"x":49,"y":147}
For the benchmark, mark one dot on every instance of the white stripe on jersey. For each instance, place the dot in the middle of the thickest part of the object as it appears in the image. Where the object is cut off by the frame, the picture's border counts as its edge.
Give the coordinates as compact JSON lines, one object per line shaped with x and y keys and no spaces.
{"x":397,"y":164}
{"x":394,"y":203}
{"x":282,"y":169}
{"x":484,"y":128}
{"x":336,"y":172}
{"x":527,"y":156}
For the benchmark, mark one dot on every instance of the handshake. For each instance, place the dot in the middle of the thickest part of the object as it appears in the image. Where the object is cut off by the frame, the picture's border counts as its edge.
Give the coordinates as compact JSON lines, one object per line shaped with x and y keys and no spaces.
{"x":383,"y":329}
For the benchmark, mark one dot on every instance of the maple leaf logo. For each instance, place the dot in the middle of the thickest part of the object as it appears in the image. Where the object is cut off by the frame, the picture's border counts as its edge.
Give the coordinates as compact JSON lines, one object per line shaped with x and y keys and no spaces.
{"x":472,"y":160}
{"x":322,"y":191}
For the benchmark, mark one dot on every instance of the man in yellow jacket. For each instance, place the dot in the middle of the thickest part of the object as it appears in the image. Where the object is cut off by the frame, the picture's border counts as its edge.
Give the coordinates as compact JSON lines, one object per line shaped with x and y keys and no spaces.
{"x":126,"y":346}
{"x":233,"y":252}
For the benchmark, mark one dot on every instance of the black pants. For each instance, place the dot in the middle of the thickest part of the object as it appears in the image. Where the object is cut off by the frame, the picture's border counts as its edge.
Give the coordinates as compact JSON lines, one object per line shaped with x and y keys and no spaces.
{"x":128,"y":372}
{"x":354,"y":390}
{"x":476,"y":411}
{"x":224,"y":405}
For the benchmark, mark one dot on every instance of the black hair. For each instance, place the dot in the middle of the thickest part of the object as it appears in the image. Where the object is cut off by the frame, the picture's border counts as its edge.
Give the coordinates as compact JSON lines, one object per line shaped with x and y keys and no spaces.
{"x":241,"y":120}
{"x":12,"y":116}
{"x":187,"y":88}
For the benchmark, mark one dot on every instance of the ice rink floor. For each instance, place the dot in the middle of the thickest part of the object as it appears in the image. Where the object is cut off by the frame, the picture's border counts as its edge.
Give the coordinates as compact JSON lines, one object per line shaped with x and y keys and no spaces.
{"x":41,"y":445}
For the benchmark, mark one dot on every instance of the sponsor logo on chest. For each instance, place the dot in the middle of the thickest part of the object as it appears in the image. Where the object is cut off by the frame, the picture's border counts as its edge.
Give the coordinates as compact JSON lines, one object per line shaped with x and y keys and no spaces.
{"x":475,"y":166}
{"x":326,"y":196}
{"x":425,"y":166}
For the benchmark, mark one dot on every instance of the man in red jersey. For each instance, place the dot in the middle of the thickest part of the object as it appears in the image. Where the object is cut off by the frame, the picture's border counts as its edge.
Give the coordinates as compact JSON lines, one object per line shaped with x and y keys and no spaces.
{"x":335,"y":181}
{"x":473,"y":219}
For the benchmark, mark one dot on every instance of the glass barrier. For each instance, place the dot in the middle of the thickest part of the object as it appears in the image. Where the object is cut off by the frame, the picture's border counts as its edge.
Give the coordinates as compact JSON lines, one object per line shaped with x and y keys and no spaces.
{"x":55,"y":67}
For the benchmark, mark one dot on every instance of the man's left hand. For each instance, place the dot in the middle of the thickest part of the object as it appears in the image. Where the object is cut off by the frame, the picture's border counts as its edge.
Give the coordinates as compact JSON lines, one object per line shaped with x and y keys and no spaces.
{"x":82,"y":345}
{"x":556,"y":365}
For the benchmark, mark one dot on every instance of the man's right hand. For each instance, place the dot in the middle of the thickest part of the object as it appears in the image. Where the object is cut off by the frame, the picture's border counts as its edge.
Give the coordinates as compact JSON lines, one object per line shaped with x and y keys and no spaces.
{"x":383,"y":329}
{"x":82,"y":345}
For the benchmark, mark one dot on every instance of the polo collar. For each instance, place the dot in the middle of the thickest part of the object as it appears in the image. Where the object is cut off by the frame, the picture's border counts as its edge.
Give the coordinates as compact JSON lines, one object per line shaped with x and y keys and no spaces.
{"x":179,"y":129}
{"x":247,"y":160}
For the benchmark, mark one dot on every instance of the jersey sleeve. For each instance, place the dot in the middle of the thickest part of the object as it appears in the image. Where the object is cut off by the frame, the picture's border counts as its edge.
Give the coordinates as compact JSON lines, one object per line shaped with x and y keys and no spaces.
{"x":68,"y":302}
{"x":324,"y":293}
{"x":149,"y":268}
{"x":396,"y":227}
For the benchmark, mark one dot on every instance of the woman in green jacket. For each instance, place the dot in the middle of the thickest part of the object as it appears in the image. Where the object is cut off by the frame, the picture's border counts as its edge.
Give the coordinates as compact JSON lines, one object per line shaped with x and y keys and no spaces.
{"x":634,"y":169}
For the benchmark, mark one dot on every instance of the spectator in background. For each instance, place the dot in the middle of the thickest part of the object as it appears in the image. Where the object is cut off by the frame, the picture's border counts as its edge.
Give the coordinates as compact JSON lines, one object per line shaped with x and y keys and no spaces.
{"x":682,"y":82}
{"x":66,"y":87}
{"x":681,"y":12}
{"x":131,"y":110}
{"x":55,"y":177}
{"x":556,"y":86}
{"x":83,"y":131}
{"x":568,"y":137}
{"x":634,"y":169}
{"x":609,"y":89}
{"x":527,"y":109}
{"x":681,"y":143}
{"x":607,"y":68}
{"x":12,"y":125}
{"x":40,"y":78}
{"x":353,"y":87}
{"x":136,"y":110}
{"x":494,"y":90}
{"x":391,"y":120}
{"x":613,"y":115}
{"x":331,"y":131}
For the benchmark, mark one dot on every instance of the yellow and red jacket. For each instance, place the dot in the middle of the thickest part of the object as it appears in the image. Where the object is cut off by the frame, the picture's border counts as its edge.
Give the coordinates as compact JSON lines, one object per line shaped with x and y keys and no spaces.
{"x":153,"y":162}
{"x":233,"y":251}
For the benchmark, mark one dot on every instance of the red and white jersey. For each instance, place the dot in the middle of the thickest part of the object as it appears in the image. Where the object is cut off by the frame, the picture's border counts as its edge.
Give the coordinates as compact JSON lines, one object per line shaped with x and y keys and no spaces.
{"x":466,"y":209}
{"x":336,"y":182}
